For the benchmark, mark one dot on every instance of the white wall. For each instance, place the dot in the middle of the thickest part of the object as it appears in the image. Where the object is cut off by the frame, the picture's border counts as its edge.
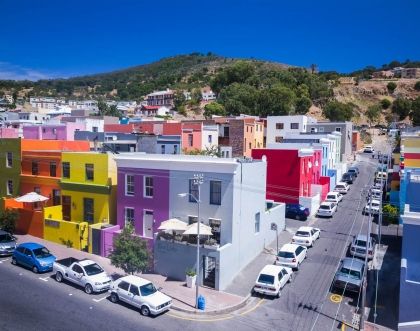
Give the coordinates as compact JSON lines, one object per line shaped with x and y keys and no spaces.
{"x":272,"y":132}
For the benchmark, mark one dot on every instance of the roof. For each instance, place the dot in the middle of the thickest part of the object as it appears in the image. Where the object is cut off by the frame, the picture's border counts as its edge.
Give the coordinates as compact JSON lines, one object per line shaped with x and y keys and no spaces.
{"x":305,"y":228}
{"x":326,"y":203}
{"x":352,"y":263}
{"x":135,"y":280}
{"x":271,"y":269}
{"x":31,"y":245}
{"x":289,"y":248}
{"x":86,"y":262}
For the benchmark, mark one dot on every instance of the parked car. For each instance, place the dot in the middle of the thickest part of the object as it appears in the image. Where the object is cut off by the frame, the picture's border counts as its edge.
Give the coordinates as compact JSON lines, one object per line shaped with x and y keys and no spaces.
{"x":342,"y":187}
{"x":271,"y":279}
{"x":368,"y":149}
{"x":372,"y":207}
{"x":383,"y":158}
{"x":375,"y":194}
{"x":7,"y":243}
{"x":354,"y":171}
{"x":33,"y":256}
{"x":382,"y":167}
{"x":141,"y":294}
{"x":358,"y":247}
{"x":349,"y":275}
{"x":381,"y":176}
{"x":334,"y":197}
{"x":327,"y":209}
{"x":348,"y":178}
{"x":297,"y":211}
{"x":306,"y":236}
{"x":85,"y":273}
{"x":291,"y":255}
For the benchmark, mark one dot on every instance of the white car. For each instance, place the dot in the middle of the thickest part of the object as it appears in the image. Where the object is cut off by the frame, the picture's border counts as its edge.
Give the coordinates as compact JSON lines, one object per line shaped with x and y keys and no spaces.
{"x":358,"y":247}
{"x":141,"y":294}
{"x":375,"y":194}
{"x":306,"y":236}
{"x":271,"y":279}
{"x":334,"y":197}
{"x":372,"y":207}
{"x":368,"y":149}
{"x":342,"y":187}
{"x":291,"y":255}
{"x":327,"y":209}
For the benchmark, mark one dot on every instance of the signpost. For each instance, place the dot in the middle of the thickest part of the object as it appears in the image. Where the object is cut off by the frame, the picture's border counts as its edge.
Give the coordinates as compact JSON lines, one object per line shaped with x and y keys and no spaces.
{"x":274,"y":228}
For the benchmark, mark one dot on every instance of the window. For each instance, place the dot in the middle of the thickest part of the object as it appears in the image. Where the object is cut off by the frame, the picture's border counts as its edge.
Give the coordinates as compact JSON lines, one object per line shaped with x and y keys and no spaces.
{"x":215,"y":192}
{"x":37,"y":190}
{"x":162,"y":149}
{"x":94,"y":128}
{"x":175,"y":149}
{"x":279,"y":126}
{"x":77,"y":269}
{"x":134,"y":290}
{"x":338,"y":129}
{"x":210,"y":138}
{"x":53,"y":169}
{"x":190,"y":140}
{"x":129,"y":216}
{"x":193,"y":191}
{"x":129,"y":185}
{"x":294,"y":126}
{"x":88,"y":210}
{"x":148,"y":187}
{"x":9,"y":187}
{"x":226,"y":132}
{"x":321,"y":130}
{"x":279,"y":139}
{"x":9,"y":159}
{"x":192,"y":219}
{"x":313,"y":130}
{"x":54,"y":131}
{"x":56,"y":196}
{"x":35,"y":168}
{"x":124,"y":285}
{"x":89,"y":171}
{"x":250,"y":145}
{"x":257,"y":222}
{"x":66,"y":169}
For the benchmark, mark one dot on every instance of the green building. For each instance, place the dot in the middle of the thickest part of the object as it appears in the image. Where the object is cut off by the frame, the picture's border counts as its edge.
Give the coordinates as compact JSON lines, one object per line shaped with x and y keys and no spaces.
{"x":10,"y":167}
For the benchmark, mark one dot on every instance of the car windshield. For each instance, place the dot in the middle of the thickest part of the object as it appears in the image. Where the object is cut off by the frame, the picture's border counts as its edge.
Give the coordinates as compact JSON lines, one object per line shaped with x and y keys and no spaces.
{"x":41,"y":253}
{"x":352,"y":170}
{"x":331,"y":197}
{"x":302,"y":234}
{"x":147,"y":289}
{"x":93,"y":269}
{"x":4,"y":238}
{"x":360,"y":243}
{"x":375,"y":204}
{"x":324,"y":207}
{"x":351,"y":273}
{"x":287,"y":255}
{"x":340,"y":187}
{"x":266,"y":279}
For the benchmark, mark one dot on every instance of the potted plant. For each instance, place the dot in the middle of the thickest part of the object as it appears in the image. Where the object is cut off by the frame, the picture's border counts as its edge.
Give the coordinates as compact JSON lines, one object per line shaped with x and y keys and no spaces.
{"x":211,"y":243}
{"x":191,"y":277}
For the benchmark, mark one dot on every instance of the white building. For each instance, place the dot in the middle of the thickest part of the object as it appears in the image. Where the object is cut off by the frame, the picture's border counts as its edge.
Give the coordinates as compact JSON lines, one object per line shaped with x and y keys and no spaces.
{"x":279,"y":126}
{"x":208,"y":95}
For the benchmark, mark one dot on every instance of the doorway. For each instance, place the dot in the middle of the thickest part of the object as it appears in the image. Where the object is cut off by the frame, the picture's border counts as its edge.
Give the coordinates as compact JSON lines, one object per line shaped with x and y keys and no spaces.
{"x":148,"y":224}
{"x":66,"y":207}
{"x":209,"y":271}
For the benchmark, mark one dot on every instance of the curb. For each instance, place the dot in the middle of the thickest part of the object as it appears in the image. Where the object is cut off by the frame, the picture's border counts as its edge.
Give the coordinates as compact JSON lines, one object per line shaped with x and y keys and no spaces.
{"x":216,"y":312}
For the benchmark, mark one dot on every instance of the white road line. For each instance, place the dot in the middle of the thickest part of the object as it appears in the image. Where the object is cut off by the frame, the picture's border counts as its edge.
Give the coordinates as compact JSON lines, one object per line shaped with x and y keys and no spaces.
{"x":70,"y":294}
{"x":3,"y":260}
{"x":45,"y":279}
{"x":98,"y":300}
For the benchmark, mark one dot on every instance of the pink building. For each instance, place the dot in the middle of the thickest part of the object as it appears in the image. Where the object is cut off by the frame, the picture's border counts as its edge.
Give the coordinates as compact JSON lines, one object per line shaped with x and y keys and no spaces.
{"x":9,"y":133}
{"x":52,"y":131}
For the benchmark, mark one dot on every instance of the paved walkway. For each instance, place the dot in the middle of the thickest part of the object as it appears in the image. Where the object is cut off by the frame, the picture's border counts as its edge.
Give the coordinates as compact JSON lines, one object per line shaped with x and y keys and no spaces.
{"x":183,"y":297}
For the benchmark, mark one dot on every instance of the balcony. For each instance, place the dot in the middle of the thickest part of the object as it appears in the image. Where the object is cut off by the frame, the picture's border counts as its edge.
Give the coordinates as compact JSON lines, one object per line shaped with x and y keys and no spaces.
{"x":189,"y":240}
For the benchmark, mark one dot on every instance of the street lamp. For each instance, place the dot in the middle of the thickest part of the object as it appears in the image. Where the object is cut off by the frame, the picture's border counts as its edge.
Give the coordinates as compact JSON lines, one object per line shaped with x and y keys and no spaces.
{"x":198,"y":180}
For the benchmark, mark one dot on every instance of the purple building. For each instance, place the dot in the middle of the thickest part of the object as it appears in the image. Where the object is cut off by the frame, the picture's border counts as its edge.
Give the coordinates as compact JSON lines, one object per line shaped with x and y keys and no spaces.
{"x":52,"y":131}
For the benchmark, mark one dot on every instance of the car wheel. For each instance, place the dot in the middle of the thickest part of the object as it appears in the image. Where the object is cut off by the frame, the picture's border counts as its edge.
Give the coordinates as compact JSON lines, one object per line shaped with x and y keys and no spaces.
{"x":291,"y":277}
{"x":145,"y":311}
{"x":297,"y":217}
{"x":35,"y":269}
{"x":278,"y":295}
{"x":14,"y":262}
{"x":88,"y":289}
{"x":58,"y":277}
{"x":114,"y":298}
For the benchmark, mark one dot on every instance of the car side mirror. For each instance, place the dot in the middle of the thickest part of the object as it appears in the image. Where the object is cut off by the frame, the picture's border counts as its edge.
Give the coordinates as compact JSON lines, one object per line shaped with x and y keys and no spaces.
{"x":160,"y":288}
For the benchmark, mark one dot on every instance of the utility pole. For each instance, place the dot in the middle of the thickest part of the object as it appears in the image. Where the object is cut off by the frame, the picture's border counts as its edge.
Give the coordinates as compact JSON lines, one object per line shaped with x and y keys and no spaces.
{"x":198,"y":180}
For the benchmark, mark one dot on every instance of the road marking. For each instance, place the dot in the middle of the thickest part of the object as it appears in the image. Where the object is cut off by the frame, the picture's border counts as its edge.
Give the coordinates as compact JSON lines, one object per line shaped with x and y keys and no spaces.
{"x":336,"y":298}
{"x":98,"y":300}
{"x":3,"y":260}
{"x":70,"y":294}
{"x":45,"y":279}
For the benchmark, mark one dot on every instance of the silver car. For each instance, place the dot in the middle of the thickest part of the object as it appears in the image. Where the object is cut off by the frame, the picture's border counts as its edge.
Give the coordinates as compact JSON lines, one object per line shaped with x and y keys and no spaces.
{"x":349,"y":275}
{"x":7,"y":243}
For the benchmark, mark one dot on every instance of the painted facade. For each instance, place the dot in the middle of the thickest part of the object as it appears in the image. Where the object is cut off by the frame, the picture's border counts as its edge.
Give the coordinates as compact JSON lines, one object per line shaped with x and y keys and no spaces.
{"x":52,"y":132}
{"x":279,"y":126}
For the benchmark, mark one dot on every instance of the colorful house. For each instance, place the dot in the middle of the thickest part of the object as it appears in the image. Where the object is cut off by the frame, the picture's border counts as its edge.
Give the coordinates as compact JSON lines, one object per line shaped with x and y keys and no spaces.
{"x":52,"y":131}
{"x":88,"y":192}
{"x":10,"y":167}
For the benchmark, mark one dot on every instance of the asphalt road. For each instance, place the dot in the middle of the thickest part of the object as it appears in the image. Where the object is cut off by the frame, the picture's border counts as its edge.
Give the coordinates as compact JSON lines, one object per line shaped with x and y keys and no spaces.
{"x":36,"y":302}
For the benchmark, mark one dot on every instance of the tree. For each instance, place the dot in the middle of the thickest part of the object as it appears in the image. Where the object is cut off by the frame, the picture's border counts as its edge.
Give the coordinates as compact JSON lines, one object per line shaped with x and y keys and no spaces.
{"x":385,"y":103}
{"x":8,"y":219}
{"x":401,"y":107}
{"x":338,"y":111}
{"x":373,"y":112}
{"x":415,"y":112}
{"x":130,"y":252}
{"x":302,"y":105}
{"x":391,"y":86}
{"x":417,"y":85}
{"x":276,"y":100}
{"x":196,"y":96}
{"x":314,"y":68}
{"x":214,"y":108}
{"x":239,"y":99}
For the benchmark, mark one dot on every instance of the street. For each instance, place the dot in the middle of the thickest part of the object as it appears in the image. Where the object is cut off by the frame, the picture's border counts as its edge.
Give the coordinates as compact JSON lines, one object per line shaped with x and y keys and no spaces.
{"x":38,"y":302}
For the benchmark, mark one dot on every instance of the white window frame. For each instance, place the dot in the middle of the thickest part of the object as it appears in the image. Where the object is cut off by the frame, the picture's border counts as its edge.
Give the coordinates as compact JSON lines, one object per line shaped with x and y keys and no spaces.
{"x":7,"y":187}
{"x":145,"y":187}
{"x":126,"y":186}
{"x":257,"y":225}
{"x":125,"y":215}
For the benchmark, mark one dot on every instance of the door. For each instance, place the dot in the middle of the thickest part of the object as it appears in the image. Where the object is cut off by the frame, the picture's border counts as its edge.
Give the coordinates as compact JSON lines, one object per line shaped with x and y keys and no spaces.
{"x":209,"y":271}
{"x":75,"y":274}
{"x":27,"y":258}
{"x":66,"y":207}
{"x":122,"y":291}
{"x":148,"y":224}
{"x":135,"y":297}
{"x":96,"y":241}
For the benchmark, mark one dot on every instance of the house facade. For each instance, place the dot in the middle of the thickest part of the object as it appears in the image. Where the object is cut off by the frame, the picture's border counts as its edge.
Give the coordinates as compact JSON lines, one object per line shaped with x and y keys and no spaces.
{"x":161,"y":98}
{"x":52,"y":132}
{"x":279,"y":126}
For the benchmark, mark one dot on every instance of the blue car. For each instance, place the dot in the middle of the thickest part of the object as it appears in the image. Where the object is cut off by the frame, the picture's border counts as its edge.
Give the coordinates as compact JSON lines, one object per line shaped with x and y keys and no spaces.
{"x":33,"y":256}
{"x":297,"y":211}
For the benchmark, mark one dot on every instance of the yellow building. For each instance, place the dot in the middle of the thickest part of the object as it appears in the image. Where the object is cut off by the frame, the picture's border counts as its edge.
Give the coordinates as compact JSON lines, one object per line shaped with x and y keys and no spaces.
{"x":88,"y":198}
{"x":410,"y":150}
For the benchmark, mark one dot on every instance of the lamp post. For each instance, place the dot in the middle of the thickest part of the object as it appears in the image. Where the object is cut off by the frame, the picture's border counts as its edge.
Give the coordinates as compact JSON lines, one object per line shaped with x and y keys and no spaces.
{"x":198,"y":180}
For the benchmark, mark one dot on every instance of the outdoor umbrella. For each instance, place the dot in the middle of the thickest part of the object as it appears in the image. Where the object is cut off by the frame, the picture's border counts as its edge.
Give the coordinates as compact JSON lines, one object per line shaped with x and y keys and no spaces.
{"x":31,"y":198}
{"x":205,"y":230}
{"x":173,"y":224}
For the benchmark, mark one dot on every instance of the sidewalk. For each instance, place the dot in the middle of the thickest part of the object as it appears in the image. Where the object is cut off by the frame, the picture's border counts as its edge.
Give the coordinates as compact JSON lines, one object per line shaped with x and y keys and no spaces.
{"x":183,"y":297}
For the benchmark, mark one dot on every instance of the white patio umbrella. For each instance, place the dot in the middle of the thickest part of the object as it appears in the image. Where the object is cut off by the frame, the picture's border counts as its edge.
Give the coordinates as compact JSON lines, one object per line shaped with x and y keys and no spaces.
{"x":173,"y":224}
{"x":31,"y":198}
{"x":205,"y":230}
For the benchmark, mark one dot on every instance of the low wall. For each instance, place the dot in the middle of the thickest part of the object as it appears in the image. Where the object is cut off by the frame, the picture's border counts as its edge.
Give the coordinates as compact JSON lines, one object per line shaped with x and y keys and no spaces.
{"x":67,"y":233}
{"x":30,"y":222}
{"x":312,"y":203}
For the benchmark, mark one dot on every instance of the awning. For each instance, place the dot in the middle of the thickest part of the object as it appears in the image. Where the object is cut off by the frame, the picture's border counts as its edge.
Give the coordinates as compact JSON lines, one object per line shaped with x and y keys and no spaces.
{"x":173,"y":224}
{"x":205,"y":230}
{"x":31,"y":198}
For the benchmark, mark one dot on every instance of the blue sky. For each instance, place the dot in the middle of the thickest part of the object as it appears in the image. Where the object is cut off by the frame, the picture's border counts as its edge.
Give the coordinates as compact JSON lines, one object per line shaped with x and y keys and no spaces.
{"x":42,"y":39}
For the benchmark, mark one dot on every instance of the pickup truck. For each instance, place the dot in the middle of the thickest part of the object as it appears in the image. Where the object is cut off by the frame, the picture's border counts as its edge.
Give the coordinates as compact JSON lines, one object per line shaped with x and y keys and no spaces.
{"x":85,"y":273}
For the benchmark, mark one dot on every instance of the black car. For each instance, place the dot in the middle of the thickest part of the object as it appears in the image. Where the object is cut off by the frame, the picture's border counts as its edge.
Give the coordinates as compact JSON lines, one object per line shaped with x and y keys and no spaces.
{"x":354,"y":171}
{"x":296,"y":211}
{"x":348,"y":178}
